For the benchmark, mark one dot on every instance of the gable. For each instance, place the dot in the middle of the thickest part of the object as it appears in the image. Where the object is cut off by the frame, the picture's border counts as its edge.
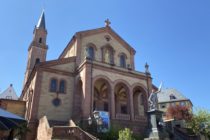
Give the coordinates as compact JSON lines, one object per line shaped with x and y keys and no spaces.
{"x":63,"y":64}
{"x":86,"y":33}
{"x":102,"y":41}
{"x":69,"y":67}
{"x":70,"y":49}
{"x":9,"y":93}
{"x":111,"y":32}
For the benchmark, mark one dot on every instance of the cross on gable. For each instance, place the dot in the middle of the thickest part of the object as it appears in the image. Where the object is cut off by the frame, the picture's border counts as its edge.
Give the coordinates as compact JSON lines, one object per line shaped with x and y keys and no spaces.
{"x":107,"y":22}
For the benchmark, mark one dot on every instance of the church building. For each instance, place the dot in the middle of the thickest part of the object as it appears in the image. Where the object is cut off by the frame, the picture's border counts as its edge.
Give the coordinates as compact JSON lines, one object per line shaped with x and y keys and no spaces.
{"x":95,"y":71}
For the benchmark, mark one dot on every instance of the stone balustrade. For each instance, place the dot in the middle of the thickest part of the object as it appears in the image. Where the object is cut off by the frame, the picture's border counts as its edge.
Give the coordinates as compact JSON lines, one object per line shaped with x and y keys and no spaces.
{"x":139,"y":118}
{"x":123,"y":116}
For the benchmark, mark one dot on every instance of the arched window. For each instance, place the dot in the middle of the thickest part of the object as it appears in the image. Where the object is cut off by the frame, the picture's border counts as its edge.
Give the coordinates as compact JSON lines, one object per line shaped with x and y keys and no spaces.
{"x":62,"y":86}
{"x":37,"y":61}
{"x":122,"y":61}
{"x":53,"y":85}
{"x":108,"y":54}
{"x":90,"y":51}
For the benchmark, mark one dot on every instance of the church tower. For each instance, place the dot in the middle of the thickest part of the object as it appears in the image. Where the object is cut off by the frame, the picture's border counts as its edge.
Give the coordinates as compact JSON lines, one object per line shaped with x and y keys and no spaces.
{"x":38,"y":48}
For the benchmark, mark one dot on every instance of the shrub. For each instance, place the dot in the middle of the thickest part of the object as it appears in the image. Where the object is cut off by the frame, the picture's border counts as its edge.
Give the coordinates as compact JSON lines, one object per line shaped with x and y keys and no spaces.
{"x":125,"y":134}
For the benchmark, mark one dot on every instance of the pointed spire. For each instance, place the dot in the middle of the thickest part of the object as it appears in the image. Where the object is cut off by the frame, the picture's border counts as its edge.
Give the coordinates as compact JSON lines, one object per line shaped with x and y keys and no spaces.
{"x":41,"y":22}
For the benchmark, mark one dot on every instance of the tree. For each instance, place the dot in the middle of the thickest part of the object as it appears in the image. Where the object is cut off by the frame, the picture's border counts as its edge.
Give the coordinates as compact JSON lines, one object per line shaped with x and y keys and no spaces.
{"x":179,"y":112}
{"x":200,"y":122}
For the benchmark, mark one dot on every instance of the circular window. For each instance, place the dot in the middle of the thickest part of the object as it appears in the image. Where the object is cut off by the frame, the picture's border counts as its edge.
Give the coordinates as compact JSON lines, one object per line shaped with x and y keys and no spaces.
{"x":56,"y":102}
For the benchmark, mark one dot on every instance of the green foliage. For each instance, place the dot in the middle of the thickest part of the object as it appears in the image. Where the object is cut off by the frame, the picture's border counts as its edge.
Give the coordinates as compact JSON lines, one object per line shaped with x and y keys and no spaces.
{"x":137,"y":137}
{"x":200,"y":122}
{"x":112,"y":134}
{"x":125,"y":134}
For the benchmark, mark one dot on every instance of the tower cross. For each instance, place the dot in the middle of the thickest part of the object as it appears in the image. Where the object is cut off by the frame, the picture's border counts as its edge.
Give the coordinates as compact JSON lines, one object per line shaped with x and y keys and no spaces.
{"x":107,"y":22}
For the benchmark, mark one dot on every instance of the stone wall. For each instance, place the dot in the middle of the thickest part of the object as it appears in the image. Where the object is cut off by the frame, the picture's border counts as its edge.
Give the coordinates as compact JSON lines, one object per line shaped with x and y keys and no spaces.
{"x":44,"y":132}
{"x":72,"y":51}
{"x":69,"y":67}
{"x":138,"y":127}
{"x":62,"y":112}
{"x":14,"y":106}
{"x":28,"y":96}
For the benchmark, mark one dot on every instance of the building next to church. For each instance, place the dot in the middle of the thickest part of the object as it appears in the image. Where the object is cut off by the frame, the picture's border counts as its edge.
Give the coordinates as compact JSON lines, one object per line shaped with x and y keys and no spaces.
{"x":170,"y":97}
{"x":9,"y":101}
{"x":9,"y":93}
{"x":95,"y":71}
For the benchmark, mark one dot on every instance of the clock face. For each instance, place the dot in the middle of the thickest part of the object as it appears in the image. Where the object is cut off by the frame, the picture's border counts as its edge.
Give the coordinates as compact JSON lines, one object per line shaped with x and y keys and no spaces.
{"x":56,"y":102}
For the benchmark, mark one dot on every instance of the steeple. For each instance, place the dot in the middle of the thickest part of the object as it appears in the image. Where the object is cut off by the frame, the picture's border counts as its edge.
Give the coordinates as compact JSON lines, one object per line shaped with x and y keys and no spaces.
{"x":41,"y":22}
{"x":37,"y":50}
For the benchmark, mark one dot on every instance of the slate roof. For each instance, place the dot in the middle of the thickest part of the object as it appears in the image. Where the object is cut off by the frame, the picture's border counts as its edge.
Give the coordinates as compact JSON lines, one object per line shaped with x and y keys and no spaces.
{"x":41,"y":22}
{"x":164,"y":95}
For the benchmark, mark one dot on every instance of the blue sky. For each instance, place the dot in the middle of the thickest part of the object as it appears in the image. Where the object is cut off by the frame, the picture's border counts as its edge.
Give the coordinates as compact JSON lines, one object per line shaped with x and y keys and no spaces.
{"x":173,"y":36}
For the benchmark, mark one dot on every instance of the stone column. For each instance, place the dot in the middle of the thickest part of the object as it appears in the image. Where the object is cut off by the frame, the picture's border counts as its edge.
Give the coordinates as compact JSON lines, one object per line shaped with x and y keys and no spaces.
{"x":87,"y":91}
{"x":131,"y":104}
{"x":113,"y":114}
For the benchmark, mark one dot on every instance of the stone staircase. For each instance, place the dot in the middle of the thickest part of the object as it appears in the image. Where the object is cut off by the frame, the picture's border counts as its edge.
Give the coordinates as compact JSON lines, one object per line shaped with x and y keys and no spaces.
{"x":58,"y":130}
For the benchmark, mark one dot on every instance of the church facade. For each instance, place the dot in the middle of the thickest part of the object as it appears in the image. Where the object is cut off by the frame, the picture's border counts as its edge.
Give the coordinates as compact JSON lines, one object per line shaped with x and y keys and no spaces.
{"x":95,"y":71}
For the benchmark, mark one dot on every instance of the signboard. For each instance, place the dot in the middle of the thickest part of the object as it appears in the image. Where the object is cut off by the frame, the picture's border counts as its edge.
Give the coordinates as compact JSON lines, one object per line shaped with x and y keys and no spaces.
{"x":105,"y":119}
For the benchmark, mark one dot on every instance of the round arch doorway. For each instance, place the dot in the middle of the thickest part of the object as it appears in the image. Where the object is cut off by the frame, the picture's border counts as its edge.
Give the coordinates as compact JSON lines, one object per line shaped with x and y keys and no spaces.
{"x":101,"y":95}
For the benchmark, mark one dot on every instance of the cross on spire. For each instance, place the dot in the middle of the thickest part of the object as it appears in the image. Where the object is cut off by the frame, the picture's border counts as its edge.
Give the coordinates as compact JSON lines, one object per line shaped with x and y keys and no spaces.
{"x":107,"y":22}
